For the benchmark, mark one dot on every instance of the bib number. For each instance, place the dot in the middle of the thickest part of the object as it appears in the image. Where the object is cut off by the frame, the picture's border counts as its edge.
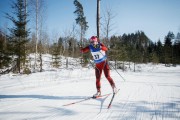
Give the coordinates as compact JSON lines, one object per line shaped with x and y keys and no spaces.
{"x":96,"y":57}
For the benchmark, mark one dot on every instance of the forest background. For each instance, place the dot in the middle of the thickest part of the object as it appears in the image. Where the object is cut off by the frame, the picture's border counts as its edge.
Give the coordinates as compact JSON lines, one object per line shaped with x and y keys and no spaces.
{"x":17,"y":42}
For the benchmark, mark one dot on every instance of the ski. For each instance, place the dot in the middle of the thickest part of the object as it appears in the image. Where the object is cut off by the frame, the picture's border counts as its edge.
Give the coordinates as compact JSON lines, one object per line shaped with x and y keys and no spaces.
{"x":110,"y":103}
{"x":86,"y":99}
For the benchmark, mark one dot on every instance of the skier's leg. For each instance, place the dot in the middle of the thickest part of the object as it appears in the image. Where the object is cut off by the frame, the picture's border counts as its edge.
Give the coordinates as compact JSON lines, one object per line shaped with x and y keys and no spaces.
{"x":107,"y":75}
{"x":98,"y":72}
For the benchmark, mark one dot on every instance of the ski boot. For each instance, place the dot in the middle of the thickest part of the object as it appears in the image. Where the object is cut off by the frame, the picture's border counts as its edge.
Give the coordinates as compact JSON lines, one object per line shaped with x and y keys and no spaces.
{"x":114,"y":90}
{"x":97,"y":94}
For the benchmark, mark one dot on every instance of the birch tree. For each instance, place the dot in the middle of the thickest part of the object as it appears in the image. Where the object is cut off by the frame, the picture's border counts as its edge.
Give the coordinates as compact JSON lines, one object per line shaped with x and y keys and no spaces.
{"x":38,"y":13}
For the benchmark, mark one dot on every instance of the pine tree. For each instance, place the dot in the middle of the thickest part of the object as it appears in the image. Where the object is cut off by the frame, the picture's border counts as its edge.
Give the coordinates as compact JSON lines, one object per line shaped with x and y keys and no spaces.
{"x":5,"y":58}
{"x":55,"y":55}
{"x":81,"y":19}
{"x":19,"y":33}
{"x":159,"y":51}
{"x":168,"y":48}
{"x":176,"y":50}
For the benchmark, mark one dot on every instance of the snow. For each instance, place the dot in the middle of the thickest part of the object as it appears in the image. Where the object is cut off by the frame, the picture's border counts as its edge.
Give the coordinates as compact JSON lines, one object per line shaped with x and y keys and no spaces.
{"x":150,"y":94}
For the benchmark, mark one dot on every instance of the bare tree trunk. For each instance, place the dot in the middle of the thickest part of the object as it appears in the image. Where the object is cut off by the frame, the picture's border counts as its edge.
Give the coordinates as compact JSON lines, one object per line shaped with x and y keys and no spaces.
{"x":36,"y":34}
{"x":134,"y":67}
{"x":81,"y":36}
{"x":98,"y":18}
{"x":107,"y":26}
{"x":24,"y":59}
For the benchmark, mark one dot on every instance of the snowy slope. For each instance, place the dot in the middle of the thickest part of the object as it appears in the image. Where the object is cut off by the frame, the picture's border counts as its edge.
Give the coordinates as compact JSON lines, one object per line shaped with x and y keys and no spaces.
{"x":152,"y":94}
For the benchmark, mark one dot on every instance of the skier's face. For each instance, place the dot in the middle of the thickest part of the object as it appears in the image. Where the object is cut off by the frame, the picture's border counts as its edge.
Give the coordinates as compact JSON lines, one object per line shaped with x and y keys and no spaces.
{"x":94,"y":43}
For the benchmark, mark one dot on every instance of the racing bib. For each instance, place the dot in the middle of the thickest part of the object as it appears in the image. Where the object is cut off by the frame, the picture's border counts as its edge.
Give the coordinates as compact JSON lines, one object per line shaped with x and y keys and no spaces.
{"x":98,"y":54}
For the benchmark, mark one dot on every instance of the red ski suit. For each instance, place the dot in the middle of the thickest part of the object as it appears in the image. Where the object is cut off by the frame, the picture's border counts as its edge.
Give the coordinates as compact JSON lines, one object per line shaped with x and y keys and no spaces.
{"x":103,"y":65}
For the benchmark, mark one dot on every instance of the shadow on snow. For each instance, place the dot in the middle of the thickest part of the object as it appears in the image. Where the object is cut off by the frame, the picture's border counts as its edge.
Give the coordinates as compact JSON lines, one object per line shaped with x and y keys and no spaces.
{"x":122,"y":110}
{"x":43,"y":97}
{"x":152,"y":110}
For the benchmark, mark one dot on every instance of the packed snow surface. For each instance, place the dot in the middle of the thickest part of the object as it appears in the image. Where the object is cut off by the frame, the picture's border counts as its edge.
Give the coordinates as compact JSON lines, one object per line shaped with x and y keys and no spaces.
{"x":153,"y":93}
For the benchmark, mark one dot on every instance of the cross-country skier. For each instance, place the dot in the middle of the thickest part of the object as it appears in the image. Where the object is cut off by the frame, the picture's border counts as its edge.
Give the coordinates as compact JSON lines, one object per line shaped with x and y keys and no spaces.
{"x":98,"y":50}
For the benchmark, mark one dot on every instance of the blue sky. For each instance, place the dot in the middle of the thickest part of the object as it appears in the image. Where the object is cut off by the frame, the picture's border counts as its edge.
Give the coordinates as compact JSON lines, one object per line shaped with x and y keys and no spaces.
{"x":155,"y":17}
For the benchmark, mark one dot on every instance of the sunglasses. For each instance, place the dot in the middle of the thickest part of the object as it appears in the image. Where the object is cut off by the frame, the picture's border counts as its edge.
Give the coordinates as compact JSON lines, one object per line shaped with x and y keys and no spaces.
{"x":94,"y":42}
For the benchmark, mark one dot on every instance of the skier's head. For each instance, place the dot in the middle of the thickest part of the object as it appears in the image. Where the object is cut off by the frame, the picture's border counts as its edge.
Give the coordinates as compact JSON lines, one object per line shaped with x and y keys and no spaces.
{"x":94,"y":41}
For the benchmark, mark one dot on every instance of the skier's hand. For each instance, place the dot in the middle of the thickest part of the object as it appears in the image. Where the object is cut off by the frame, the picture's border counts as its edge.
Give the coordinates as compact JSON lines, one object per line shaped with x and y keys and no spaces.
{"x":96,"y":46}
{"x":103,"y":47}
{"x":80,"y":46}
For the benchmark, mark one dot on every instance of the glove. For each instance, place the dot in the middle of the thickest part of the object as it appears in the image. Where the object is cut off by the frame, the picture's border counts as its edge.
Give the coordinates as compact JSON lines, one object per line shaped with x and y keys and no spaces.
{"x":80,"y":46}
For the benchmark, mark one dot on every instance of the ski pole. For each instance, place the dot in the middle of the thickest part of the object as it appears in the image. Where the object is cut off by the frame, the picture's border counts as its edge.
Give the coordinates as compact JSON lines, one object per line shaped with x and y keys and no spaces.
{"x":116,"y":70}
{"x":118,"y":73}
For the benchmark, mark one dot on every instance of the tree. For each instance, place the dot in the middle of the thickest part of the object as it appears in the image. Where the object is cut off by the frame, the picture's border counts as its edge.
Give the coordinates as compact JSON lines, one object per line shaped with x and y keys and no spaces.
{"x":159,"y":51}
{"x":107,"y":24}
{"x":168,"y":48}
{"x":176,"y":50}
{"x":61,"y":46}
{"x":5,"y":58}
{"x":56,"y":55}
{"x":81,"y":19}
{"x":98,"y":18}
{"x":19,"y":32}
{"x":38,"y":15}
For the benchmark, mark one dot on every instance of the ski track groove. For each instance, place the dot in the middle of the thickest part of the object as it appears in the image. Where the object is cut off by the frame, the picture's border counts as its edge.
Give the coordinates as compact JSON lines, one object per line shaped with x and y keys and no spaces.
{"x":128,"y":104}
{"x":29,"y":101}
{"x":139,"y":92}
{"x":151,"y":97}
{"x":121,"y":115}
{"x":155,"y":101}
{"x":105,"y":113}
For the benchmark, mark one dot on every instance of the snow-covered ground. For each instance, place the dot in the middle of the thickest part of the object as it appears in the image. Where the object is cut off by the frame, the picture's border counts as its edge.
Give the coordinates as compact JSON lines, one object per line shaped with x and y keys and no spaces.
{"x":152,"y":94}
